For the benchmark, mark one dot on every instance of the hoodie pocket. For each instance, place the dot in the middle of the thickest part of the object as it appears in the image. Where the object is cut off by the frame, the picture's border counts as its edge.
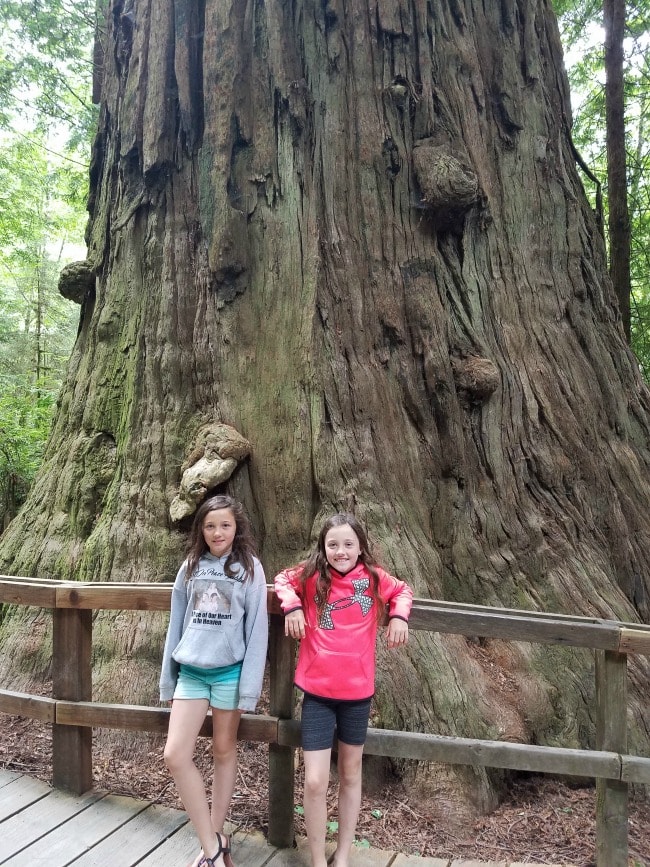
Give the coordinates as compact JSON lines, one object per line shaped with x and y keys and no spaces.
{"x":205,"y":648}
{"x":342,"y":674}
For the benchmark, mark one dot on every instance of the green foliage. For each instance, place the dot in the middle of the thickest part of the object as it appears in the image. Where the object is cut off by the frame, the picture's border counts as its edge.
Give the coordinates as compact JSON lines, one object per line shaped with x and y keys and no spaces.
{"x":46,"y":125}
{"x":46,"y":62}
{"x":37,"y":325}
{"x":583,"y":40}
{"x":25,"y":416}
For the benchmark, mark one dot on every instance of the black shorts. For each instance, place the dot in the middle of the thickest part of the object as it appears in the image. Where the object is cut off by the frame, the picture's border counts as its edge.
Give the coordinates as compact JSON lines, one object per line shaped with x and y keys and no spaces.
{"x":323,"y":719}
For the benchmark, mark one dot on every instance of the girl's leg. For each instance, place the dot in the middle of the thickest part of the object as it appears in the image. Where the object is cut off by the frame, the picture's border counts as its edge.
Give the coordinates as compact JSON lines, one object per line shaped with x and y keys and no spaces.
{"x":185,"y":722}
{"x":317,"y":775}
{"x":224,"y":753}
{"x":349,"y":772}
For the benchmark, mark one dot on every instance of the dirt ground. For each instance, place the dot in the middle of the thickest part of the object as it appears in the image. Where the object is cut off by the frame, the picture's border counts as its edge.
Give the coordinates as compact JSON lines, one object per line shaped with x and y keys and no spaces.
{"x":543,"y":820}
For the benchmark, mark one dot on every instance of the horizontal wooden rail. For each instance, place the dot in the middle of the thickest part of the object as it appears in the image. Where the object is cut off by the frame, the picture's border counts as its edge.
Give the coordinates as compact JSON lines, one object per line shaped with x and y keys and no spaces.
{"x":403,"y":745}
{"x":73,"y":715}
{"x":432,"y":615}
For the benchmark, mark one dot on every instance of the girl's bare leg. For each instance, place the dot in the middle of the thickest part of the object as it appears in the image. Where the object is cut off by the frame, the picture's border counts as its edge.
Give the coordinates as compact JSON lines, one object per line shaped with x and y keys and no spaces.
{"x":224,"y":753}
{"x":185,"y":722}
{"x":349,"y":772}
{"x":317,"y":775}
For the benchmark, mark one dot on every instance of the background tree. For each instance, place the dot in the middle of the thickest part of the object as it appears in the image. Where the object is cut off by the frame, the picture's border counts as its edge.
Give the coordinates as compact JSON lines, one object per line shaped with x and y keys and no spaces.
{"x":619,"y":219}
{"x":38,"y":326}
{"x":44,"y":152}
{"x":583,"y":35}
{"x":355,"y":233}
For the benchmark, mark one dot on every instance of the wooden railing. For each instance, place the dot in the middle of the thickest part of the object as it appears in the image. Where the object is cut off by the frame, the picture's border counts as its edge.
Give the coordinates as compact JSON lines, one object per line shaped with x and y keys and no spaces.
{"x":73,"y":714}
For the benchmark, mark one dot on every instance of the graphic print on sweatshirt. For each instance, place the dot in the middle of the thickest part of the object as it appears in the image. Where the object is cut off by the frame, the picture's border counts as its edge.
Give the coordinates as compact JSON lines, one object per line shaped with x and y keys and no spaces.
{"x":211,"y":600}
{"x":359,"y":598}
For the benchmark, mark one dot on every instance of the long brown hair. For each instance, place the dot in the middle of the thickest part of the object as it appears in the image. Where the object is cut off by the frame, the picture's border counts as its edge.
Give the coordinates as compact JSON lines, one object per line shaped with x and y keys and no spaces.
{"x":317,"y":562}
{"x":243,"y":546}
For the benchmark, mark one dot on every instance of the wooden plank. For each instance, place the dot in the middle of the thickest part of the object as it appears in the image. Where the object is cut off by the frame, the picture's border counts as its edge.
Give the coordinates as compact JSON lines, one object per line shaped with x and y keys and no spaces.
{"x":7,"y":777}
{"x":25,"y":579}
{"x":181,"y":848}
{"x":32,"y":706}
{"x":415,"y":861}
{"x":42,"y":816}
{"x":497,"y":623}
{"x":635,"y":770}
{"x":611,"y":734}
{"x":362,"y":857}
{"x":135,"y":597}
{"x":272,"y":601}
{"x":465,"y":863}
{"x":133,"y":717}
{"x":17,"y":592}
{"x":248,"y":849}
{"x":525,"y":612}
{"x":83,"y":831}
{"x":135,"y":838}
{"x":281,"y":757}
{"x":297,"y":856}
{"x":471,"y":863}
{"x":20,"y":793}
{"x":72,"y":681}
{"x":634,"y":640}
{"x":251,"y":850}
{"x":471,"y":751}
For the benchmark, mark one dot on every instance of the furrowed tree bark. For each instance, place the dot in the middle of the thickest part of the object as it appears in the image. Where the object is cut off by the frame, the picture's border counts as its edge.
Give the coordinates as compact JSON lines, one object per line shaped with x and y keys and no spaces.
{"x":354,"y":232}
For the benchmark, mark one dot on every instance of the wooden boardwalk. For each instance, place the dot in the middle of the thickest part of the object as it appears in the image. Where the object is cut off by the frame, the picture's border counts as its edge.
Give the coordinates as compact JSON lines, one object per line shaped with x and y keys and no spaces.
{"x":42,"y":826}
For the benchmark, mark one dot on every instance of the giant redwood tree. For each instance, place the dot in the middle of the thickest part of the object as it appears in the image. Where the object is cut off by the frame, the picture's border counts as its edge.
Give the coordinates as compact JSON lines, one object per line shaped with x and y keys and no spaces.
{"x":339,"y":256}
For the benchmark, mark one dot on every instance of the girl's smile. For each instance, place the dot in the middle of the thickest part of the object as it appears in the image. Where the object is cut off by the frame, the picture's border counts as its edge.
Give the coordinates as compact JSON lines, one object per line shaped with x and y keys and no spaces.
{"x":342,"y":548}
{"x":219,"y":528}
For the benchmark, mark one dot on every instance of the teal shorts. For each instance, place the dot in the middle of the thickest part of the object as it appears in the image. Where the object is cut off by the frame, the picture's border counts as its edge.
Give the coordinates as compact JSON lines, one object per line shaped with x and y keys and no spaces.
{"x":220,"y":686}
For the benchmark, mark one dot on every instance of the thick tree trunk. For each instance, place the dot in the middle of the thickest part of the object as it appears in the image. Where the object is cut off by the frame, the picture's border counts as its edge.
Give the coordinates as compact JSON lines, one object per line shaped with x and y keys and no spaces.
{"x":354,"y":232}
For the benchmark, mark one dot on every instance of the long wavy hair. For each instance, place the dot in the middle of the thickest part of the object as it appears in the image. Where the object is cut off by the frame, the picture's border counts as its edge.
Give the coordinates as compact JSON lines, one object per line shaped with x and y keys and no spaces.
{"x":316,"y":562}
{"x":243,"y":546}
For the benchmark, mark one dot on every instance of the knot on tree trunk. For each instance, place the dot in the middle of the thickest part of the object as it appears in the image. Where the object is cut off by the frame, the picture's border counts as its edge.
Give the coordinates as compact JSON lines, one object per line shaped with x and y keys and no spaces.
{"x":477,"y":377}
{"x":229,"y":258}
{"x":214,"y":457}
{"x":446,"y":184}
{"x":76,"y":279}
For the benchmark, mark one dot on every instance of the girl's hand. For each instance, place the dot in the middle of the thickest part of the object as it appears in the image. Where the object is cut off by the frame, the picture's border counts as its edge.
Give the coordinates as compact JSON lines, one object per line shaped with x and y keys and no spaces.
{"x":294,"y":624}
{"x":397,"y":632}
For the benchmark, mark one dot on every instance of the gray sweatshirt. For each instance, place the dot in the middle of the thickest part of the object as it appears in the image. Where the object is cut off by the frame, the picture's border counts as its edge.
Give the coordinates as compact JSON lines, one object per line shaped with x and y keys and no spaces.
{"x":216,"y":621}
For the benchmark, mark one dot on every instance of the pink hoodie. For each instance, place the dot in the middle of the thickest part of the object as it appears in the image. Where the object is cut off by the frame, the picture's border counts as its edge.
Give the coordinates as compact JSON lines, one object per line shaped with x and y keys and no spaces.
{"x":336,"y":658}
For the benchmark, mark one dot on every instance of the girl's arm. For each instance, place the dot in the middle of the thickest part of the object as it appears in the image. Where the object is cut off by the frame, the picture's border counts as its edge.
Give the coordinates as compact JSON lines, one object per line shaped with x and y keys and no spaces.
{"x":288,"y":588}
{"x":169,"y":668}
{"x":396,"y":594}
{"x":256,"y":635}
{"x":399,"y":597}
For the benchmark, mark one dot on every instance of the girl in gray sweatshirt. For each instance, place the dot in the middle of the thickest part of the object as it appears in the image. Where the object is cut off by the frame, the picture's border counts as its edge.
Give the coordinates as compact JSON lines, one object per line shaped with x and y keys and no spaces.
{"x":214,"y":657}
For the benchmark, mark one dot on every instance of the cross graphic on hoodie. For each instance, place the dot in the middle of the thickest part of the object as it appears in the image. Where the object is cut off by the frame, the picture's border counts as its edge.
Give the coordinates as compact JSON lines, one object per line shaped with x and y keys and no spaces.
{"x":366,"y":603}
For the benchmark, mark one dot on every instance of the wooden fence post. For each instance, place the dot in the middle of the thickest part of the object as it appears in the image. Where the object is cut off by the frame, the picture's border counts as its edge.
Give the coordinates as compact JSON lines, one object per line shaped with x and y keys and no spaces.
{"x":611,"y":734}
{"x":281,"y":759}
{"x":72,"y":681}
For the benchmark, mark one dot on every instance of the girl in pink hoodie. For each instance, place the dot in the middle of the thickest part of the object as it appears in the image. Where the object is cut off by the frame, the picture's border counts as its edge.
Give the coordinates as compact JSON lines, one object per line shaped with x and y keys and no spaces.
{"x":333,"y":603}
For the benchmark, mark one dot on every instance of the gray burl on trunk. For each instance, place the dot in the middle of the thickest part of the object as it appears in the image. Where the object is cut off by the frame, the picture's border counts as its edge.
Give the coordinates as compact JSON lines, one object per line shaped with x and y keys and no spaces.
{"x":352,"y":236}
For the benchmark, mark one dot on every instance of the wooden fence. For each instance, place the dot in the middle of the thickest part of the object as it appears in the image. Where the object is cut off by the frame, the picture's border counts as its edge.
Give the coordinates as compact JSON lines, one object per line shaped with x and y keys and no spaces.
{"x":73,"y":714}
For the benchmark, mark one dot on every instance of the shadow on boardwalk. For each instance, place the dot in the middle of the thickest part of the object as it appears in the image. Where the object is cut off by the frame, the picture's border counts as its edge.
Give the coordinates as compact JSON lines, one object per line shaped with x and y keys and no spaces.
{"x":42,"y":826}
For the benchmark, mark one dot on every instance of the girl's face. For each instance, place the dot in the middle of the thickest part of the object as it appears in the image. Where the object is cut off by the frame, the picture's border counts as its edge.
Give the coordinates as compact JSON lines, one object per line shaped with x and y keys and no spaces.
{"x":342,"y":548}
{"x":219,"y":528}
